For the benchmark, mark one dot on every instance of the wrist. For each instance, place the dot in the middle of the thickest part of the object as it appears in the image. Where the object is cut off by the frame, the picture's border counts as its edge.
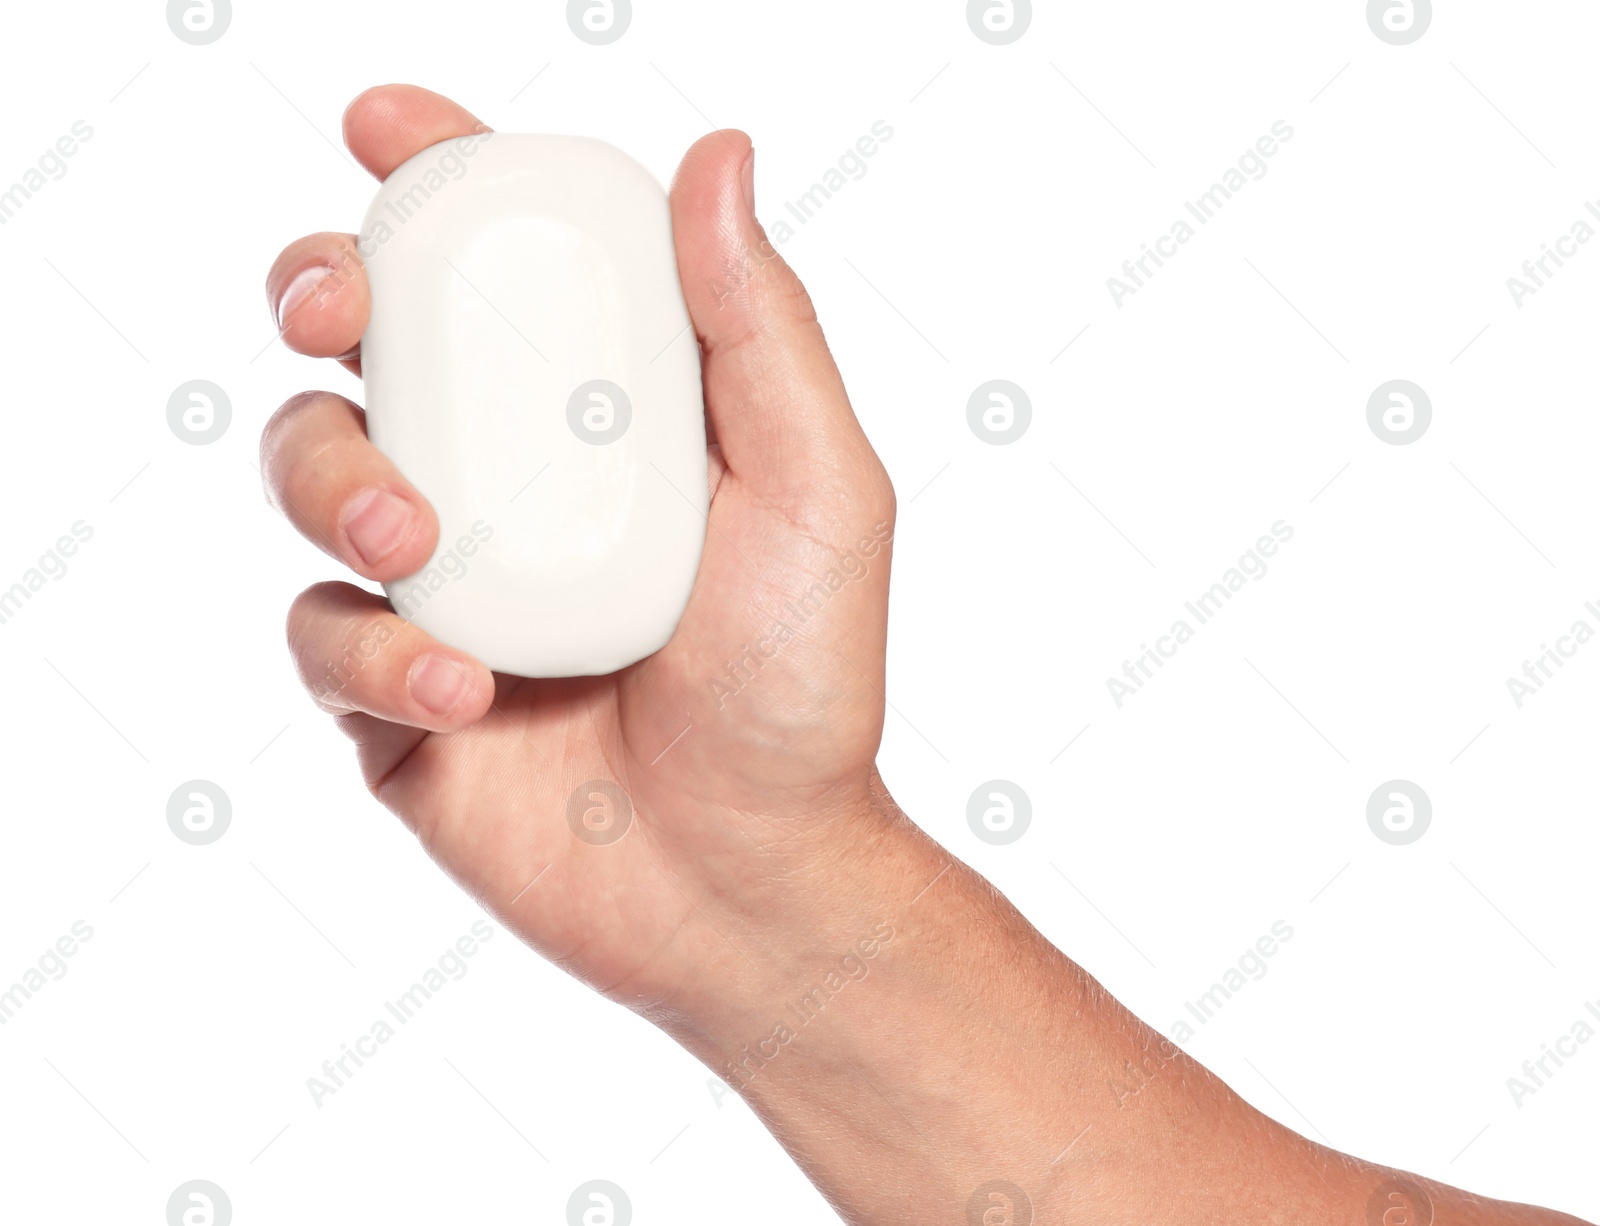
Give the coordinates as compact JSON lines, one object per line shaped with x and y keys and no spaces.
{"x":894,"y":1002}
{"x":826,"y":911}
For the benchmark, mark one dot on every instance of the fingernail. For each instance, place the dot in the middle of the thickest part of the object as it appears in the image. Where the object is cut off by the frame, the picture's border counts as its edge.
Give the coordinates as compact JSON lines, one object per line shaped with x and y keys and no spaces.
{"x":438,"y":683}
{"x":376,"y":521}
{"x":748,"y":174}
{"x":300,"y":290}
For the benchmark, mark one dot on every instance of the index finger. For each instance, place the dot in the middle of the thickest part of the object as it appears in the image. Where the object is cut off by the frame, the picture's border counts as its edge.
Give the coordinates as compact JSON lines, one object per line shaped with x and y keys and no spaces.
{"x":389,"y":124}
{"x":317,"y":287}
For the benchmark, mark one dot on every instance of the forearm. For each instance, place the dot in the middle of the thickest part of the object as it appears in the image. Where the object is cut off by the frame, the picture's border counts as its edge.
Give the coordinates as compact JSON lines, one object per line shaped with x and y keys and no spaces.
{"x":920,"y":1049}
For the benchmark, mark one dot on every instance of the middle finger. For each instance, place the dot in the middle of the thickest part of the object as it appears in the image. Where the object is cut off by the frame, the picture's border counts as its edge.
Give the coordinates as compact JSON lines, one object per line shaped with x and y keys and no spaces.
{"x":341,"y":492}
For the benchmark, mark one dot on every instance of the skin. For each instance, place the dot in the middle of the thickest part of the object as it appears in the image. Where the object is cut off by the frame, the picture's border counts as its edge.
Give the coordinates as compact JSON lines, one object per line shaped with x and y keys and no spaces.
{"x":761,"y":849}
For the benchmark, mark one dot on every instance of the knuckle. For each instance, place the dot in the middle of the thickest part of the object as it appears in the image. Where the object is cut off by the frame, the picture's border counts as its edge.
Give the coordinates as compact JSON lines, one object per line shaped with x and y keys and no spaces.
{"x":278,"y":434}
{"x":303,"y":610}
{"x":293,"y":440}
{"x":334,"y":643}
{"x":882,"y":497}
{"x":786,"y":294}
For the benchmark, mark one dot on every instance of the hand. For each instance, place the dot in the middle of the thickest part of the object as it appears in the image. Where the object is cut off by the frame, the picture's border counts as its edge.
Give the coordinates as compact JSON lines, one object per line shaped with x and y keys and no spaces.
{"x":735,"y":775}
{"x":919,"y":1048}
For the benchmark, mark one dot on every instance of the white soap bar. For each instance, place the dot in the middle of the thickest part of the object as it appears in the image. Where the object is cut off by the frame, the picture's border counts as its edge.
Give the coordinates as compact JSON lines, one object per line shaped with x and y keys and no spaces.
{"x":531,"y":368}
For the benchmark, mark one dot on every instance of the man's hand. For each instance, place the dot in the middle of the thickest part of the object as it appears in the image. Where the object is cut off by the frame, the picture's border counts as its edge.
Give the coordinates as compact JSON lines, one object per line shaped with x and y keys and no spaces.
{"x":740,"y":746}
{"x":703,"y":836}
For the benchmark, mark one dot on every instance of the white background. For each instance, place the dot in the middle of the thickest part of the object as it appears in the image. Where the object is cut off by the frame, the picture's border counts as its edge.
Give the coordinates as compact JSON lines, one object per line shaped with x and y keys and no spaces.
{"x":1174,"y":831}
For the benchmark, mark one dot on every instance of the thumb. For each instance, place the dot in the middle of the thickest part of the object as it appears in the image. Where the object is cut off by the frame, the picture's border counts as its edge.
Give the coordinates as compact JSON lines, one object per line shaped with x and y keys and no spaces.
{"x":774,"y":398}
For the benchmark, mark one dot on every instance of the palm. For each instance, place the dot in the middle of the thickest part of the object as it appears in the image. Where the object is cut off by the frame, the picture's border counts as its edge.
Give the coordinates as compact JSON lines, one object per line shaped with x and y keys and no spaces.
{"x":697,"y":764}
